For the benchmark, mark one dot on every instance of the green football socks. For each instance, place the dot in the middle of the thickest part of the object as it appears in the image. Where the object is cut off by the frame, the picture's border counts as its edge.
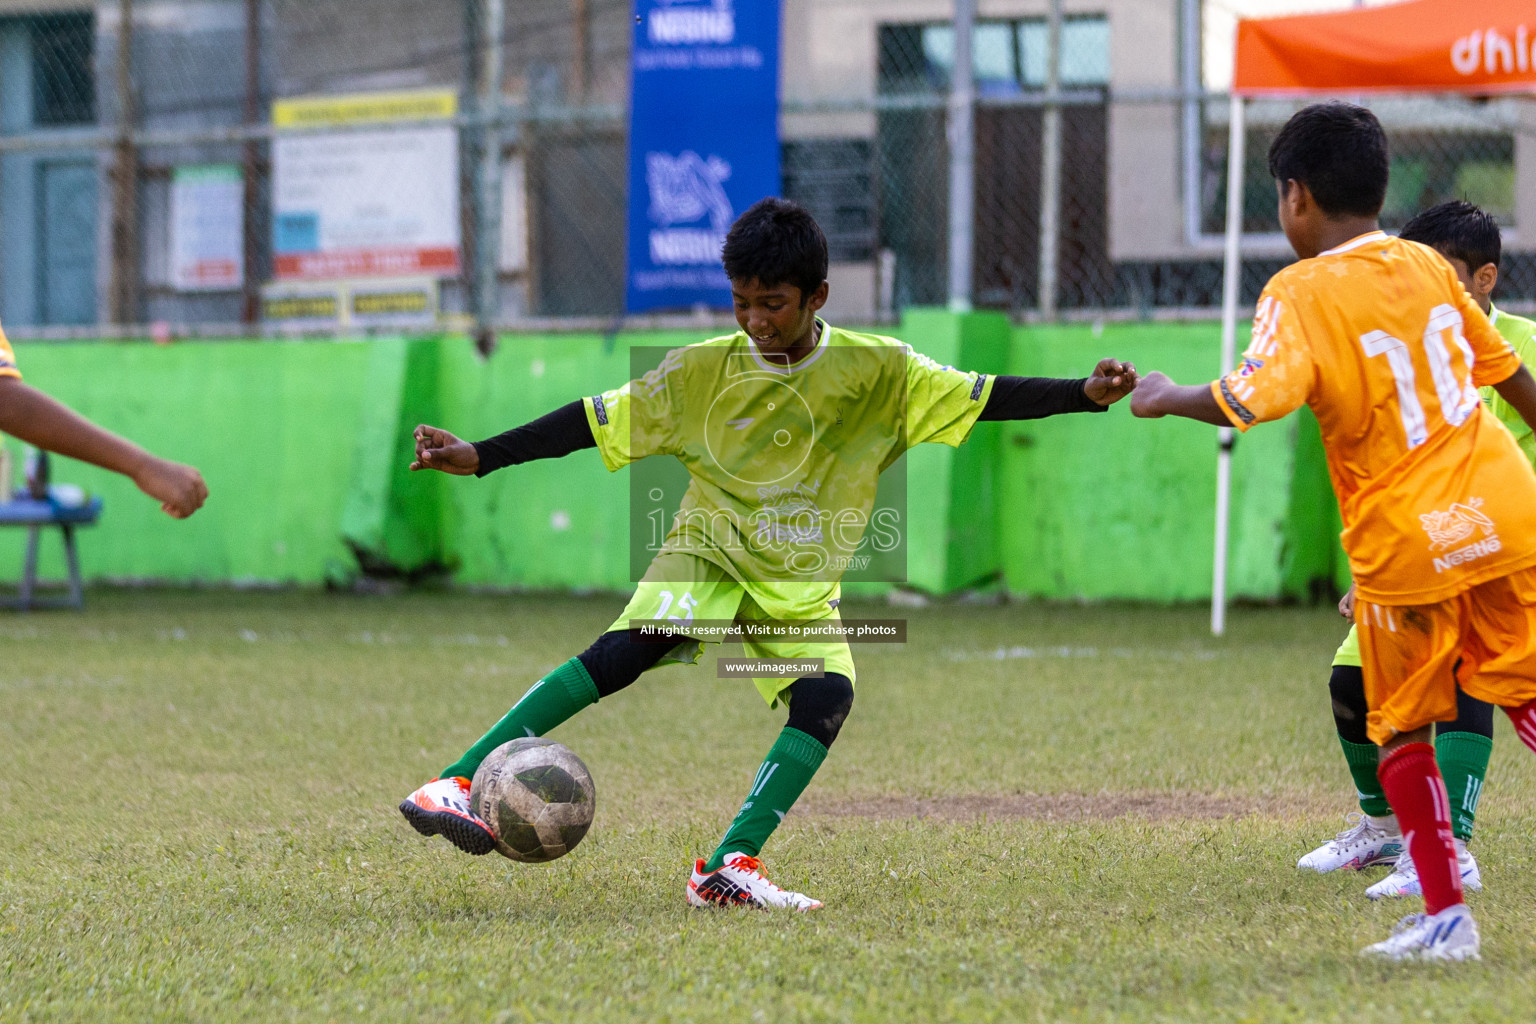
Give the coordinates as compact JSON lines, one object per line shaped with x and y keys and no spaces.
{"x":784,"y":774}
{"x":1364,"y":759}
{"x":547,"y":703}
{"x":1463,"y":759}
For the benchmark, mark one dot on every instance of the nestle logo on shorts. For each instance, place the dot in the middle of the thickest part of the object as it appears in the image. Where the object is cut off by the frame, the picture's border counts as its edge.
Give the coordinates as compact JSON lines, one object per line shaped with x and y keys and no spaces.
{"x":773,"y":668}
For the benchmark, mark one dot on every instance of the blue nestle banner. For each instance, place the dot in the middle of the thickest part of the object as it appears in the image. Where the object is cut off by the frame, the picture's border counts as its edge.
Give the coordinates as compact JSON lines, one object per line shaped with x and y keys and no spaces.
{"x":703,"y":142}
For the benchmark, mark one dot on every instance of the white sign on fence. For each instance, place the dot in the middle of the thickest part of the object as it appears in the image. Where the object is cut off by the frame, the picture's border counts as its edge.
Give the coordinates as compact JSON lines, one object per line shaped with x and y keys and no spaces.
{"x":207,"y":228}
{"x":362,"y":203}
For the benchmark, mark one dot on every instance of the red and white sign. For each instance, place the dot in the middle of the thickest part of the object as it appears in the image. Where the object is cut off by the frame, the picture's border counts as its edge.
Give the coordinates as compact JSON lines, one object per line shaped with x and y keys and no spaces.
{"x":442,"y":261}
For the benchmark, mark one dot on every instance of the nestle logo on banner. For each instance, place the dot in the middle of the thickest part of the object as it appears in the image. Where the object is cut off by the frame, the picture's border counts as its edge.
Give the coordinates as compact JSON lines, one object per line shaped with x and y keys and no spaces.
{"x":1493,"y":52}
{"x":681,"y":22}
{"x":684,"y":189}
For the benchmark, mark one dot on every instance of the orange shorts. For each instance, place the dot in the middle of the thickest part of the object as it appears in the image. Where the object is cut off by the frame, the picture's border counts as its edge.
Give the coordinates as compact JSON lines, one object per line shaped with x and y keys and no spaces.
{"x":1409,"y":653}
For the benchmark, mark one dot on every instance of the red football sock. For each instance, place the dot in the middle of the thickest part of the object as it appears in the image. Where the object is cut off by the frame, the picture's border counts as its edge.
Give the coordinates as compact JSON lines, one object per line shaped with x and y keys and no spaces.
{"x":1412,"y":782}
{"x":1524,"y":718}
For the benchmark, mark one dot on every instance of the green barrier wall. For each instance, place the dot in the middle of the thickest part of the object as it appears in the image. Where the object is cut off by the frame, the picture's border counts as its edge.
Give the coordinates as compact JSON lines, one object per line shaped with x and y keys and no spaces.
{"x":1096,"y":506}
{"x":951,"y":508}
{"x":305,"y":447}
{"x":561,"y":523}
{"x":1313,"y":561}
{"x":393,"y":518}
{"x":272,"y":425}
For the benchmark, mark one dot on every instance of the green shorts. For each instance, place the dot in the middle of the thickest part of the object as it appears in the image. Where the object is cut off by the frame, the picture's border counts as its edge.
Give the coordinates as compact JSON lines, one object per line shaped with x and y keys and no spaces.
{"x":721,"y":597}
{"x":1349,"y":651}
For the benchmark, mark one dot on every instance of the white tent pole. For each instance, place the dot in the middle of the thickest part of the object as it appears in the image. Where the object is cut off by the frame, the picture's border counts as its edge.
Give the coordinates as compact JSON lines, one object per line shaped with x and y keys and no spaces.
{"x":1231,"y":292}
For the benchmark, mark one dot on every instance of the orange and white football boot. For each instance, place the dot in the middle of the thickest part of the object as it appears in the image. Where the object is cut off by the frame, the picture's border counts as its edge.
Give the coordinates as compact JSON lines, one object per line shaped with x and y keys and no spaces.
{"x":441,"y":808}
{"x":740,"y":883}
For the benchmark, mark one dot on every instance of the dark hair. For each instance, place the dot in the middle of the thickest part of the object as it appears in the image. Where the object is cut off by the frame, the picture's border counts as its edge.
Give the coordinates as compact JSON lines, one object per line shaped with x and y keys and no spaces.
{"x":1337,"y":150}
{"x":1459,"y":230}
{"x":777,"y":242}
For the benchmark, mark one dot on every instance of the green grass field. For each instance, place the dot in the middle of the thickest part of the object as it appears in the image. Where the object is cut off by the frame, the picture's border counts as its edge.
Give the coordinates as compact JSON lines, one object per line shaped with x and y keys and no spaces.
{"x":1034,"y":813}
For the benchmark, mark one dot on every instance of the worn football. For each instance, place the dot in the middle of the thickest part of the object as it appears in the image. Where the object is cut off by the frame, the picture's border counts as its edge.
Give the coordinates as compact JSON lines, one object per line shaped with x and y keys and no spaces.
{"x":537,"y":797}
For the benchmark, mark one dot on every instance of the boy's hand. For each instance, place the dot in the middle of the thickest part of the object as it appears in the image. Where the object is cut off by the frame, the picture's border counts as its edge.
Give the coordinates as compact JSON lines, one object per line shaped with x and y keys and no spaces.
{"x":1112,"y":380}
{"x":1157,"y":396}
{"x":179,"y":489}
{"x":1145,"y":402}
{"x":1347,"y":603}
{"x":440,"y":450}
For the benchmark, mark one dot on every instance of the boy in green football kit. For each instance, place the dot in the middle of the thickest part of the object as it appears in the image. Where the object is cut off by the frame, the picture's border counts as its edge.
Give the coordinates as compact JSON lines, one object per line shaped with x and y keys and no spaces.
{"x":1469,"y":240}
{"x":784,"y":427}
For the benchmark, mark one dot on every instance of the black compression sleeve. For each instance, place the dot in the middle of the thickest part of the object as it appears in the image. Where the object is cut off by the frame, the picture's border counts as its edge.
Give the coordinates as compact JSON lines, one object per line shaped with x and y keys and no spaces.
{"x":616,"y":659}
{"x":549,"y":437}
{"x":1346,"y":684}
{"x":1033,"y":398}
{"x":819,"y":705}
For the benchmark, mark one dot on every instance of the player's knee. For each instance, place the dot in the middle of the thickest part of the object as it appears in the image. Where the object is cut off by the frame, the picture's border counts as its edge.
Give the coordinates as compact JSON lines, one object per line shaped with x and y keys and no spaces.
{"x":615,"y":660}
{"x":1347,"y":686}
{"x":819,"y":706}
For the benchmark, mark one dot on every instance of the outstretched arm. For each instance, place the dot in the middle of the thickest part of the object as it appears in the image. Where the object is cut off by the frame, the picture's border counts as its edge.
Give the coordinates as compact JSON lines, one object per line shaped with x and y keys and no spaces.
{"x":1158,"y":395}
{"x":549,"y":437}
{"x":1032,"y":398}
{"x":1519,"y":390}
{"x":39,"y":420}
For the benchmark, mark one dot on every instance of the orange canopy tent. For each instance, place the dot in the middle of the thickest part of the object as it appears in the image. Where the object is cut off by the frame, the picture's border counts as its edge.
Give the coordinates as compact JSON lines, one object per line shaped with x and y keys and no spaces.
{"x":1472,"y":47}
{"x":1465,"y":46}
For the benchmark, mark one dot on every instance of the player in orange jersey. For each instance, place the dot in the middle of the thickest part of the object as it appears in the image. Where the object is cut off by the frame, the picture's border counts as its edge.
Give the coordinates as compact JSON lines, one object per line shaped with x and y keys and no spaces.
{"x":1379,"y":338}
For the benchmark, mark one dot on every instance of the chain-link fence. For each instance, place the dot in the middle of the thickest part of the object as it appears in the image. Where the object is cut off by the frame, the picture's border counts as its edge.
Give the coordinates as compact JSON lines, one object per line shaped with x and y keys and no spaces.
{"x":161,"y":187}
{"x":1442,"y":148}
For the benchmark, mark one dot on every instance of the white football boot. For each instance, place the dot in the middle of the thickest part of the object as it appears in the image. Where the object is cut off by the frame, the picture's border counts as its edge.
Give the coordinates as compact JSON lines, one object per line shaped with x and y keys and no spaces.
{"x":1367,"y":842}
{"x":1448,"y":935}
{"x":1404,"y":879}
{"x":441,"y":808}
{"x":740,"y":883}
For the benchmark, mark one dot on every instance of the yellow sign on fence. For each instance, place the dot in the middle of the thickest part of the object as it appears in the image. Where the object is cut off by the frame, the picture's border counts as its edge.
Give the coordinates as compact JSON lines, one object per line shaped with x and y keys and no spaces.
{"x":365,"y":108}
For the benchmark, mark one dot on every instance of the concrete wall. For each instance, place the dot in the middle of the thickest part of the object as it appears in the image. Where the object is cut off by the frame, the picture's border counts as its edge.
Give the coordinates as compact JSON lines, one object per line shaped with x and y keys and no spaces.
{"x":831,"y":56}
{"x":329,"y":46}
{"x":1146,"y":207}
{"x":1524,"y":236}
{"x":18,"y":175}
{"x":25,"y":7}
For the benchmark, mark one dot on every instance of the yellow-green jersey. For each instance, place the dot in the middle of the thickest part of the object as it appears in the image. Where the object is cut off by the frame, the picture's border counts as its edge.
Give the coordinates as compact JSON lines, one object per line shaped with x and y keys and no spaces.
{"x":784,"y":462}
{"x":1521,"y":335}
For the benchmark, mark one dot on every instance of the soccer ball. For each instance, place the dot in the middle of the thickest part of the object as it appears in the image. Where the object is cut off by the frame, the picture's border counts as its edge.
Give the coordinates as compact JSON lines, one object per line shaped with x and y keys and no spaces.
{"x":537,"y":797}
